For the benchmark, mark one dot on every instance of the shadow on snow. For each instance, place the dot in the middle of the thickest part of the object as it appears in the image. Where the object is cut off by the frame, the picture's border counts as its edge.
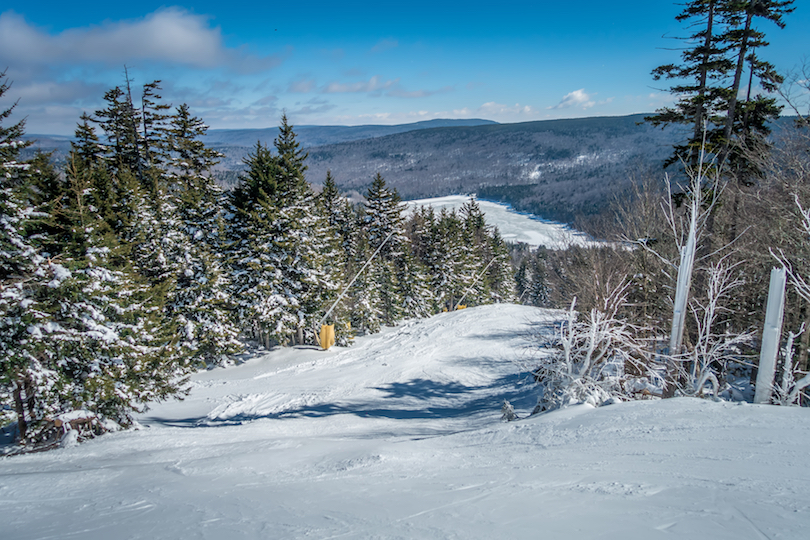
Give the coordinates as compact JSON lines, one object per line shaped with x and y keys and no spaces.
{"x":412,"y":400}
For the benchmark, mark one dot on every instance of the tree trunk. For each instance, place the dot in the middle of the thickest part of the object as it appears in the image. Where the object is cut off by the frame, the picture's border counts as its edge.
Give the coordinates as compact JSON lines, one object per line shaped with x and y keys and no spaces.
{"x":735,"y":88}
{"x":704,"y":71}
{"x":22,"y":425}
{"x":300,"y":335}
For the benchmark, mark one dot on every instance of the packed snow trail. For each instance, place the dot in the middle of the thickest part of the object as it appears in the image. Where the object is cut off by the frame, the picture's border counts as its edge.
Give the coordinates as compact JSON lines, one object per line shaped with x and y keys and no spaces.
{"x":399,"y":437}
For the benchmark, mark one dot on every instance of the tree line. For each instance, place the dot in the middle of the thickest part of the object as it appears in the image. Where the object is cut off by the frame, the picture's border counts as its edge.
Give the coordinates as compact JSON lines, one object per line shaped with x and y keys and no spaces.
{"x":129,"y":268}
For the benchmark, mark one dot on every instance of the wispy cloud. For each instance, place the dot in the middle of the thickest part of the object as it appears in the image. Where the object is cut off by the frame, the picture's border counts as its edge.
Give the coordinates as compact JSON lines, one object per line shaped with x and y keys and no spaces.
{"x":312,"y":107}
{"x":170,"y":35}
{"x":398,"y":92}
{"x":577,"y":98}
{"x":53,"y":93}
{"x":374,"y":84}
{"x":492,"y":109}
{"x":385,"y":45}
{"x":302,"y":86}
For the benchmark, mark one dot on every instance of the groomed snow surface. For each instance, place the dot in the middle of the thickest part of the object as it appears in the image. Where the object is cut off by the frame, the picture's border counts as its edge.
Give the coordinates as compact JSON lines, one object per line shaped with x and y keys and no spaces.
{"x":400,"y":436}
{"x":513,"y":226}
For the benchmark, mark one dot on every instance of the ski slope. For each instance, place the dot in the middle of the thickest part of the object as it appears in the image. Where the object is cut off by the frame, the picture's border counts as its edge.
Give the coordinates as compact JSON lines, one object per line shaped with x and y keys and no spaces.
{"x":513,"y":226}
{"x":400,"y":436}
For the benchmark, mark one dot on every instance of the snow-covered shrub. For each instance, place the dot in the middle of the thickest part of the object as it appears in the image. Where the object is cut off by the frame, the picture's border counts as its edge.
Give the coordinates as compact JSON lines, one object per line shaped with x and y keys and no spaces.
{"x":787,"y":390}
{"x":595,"y":358}
{"x":708,"y":360}
{"x":508,"y":412}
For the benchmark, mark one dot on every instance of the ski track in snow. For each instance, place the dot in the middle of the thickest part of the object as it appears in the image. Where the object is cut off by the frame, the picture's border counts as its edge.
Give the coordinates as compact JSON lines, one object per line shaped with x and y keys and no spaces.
{"x":399,"y":437}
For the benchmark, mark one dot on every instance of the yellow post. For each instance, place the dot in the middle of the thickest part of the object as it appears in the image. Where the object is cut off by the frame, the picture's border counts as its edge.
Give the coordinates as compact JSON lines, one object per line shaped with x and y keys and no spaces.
{"x":327,"y":337}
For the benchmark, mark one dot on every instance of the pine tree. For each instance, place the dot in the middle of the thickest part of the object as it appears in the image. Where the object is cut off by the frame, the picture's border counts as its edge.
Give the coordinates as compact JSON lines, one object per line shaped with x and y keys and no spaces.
{"x":710,"y":78}
{"x":153,"y":135}
{"x":746,"y":121}
{"x":281,"y":244}
{"x":11,"y":142}
{"x":304,"y":246}
{"x":702,"y":96}
{"x":23,"y":272}
{"x":119,"y":121}
{"x":383,"y":226}
{"x":500,"y":280}
{"x":200,"y":300}
{"x":340,"y":225}
{"x":103,"y":332}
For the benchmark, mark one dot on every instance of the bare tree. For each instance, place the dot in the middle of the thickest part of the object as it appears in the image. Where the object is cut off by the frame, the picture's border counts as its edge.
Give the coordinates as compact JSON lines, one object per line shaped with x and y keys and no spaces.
{"x":713,"y":349}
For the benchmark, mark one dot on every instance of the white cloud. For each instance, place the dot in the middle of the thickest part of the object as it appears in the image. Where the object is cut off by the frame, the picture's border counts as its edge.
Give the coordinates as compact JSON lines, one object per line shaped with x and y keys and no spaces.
{"x":492,"y":109}
{"x":375,"y":84}
{"x":168,"y":35}
{"x":577,"y":98}
{"x":312,"y":107}
{"x":53,"y":93}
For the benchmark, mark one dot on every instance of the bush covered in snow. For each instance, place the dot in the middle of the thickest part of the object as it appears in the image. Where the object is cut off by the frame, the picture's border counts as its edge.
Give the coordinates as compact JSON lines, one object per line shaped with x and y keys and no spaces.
{"x":593,"y":358}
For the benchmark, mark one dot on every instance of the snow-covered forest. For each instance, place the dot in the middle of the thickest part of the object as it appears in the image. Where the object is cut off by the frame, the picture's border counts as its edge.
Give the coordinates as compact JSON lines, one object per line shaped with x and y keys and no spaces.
{"x":130,"y":269}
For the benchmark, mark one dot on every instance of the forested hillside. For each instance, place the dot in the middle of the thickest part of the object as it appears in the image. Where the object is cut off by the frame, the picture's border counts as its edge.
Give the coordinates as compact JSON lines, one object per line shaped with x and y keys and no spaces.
{"x":556,"y":169}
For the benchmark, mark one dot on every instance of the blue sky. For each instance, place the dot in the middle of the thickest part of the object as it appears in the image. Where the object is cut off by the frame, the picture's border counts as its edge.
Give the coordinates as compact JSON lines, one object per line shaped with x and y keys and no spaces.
{"x":238,"y":64}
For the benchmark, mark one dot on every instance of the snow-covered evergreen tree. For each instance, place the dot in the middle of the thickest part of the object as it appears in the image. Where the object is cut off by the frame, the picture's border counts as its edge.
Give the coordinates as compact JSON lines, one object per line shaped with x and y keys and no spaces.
{"x":254,"y":277}
{"x":283,"y":247}
{"x":23,"y":271}
{"x":394,"y":273}
{"x":200,"y":299}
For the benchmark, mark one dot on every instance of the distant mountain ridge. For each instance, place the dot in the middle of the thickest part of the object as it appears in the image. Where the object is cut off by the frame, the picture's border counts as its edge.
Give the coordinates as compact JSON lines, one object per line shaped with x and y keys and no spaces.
{"x":310,"y":136}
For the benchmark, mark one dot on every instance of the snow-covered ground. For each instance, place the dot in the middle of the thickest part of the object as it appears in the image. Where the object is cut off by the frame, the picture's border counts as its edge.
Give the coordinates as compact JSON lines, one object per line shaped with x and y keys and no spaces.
{"x":400,"y":436}
{"x":514,"y":226}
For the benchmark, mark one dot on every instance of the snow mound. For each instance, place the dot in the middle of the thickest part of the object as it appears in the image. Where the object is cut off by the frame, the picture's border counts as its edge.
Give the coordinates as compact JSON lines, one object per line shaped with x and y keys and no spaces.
{"x":401,"y":436}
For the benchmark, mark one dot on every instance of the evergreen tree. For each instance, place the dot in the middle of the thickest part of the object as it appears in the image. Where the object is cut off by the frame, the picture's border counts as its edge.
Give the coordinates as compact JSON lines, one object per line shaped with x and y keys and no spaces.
{"x":23,"y":272}
{"x":500,"y":280}
{"x":384,"y":228}
{"x":119,"y":121}
{"x":702,"y":96}
{"x":340,"y":226}
{"x":710,"y":77}
{"x":304,"y":248}
{"x":200,"y":301}
{"x":282,"y":245}
{"x":11,"y":142}
{"x":746,"y":120}
{"x":153,"y":119}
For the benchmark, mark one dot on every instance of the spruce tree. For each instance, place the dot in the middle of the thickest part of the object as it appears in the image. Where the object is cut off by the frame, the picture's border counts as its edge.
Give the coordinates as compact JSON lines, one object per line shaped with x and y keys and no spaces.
{"x":23,"y":272}
{"x":384,"y":228}
{"x":746,"y":121}
{"x":199,"y":301}
{"x":699,"y":81}
{"x":709,"y":79}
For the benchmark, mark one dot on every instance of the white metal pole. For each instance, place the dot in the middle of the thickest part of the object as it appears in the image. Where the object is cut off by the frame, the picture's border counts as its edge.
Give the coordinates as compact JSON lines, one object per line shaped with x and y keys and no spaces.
{"x":771,"y":335}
